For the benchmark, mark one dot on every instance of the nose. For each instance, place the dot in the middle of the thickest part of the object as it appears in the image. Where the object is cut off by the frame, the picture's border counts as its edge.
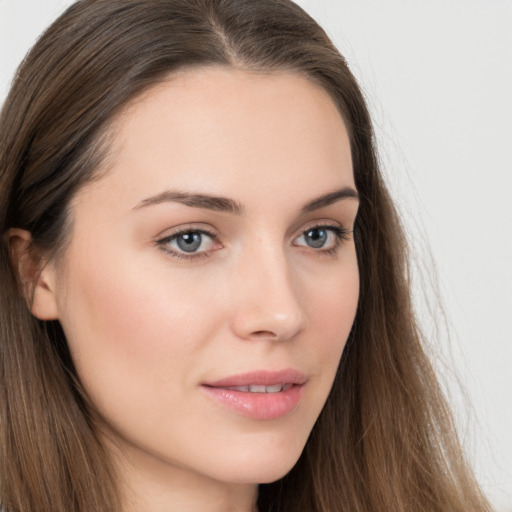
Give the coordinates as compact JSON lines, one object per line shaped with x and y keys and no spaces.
{"x":267,"y":302}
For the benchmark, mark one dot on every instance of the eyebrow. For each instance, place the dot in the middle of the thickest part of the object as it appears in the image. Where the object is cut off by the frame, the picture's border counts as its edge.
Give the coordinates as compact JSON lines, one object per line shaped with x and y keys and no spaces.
{"x":330,"y":198}
{"x":207,"y":202}
{"x":224,"y":204}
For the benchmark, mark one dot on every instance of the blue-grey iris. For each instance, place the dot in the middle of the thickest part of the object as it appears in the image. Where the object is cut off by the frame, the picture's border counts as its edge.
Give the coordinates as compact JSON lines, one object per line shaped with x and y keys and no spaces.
{"x":316,"y":238}
{"x":189,"y":242}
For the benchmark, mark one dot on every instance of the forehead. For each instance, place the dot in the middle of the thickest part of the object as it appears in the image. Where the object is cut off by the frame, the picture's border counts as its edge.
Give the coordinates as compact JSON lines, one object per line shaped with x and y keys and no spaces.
{"x":225,"y":132}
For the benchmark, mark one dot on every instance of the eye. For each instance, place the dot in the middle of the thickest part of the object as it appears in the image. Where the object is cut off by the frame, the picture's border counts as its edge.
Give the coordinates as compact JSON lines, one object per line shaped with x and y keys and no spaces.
{"x":189,"y":243}
{"x":325,"y":238}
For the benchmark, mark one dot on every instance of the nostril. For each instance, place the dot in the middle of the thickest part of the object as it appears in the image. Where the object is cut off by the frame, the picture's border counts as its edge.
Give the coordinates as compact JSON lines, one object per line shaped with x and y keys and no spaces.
{"x":264,"y":334}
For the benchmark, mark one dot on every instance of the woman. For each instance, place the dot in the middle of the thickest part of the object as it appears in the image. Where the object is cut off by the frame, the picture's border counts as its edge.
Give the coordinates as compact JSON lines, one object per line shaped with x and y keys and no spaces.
{"x":206,"y":303}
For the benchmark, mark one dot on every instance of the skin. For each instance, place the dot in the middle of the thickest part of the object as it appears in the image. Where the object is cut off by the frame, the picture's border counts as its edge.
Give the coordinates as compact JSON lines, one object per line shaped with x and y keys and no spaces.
{"x":146,"y":328}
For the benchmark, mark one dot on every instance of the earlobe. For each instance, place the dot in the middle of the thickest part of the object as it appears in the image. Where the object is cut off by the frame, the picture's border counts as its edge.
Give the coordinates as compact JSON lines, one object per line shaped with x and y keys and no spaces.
{"x":36,"y":276}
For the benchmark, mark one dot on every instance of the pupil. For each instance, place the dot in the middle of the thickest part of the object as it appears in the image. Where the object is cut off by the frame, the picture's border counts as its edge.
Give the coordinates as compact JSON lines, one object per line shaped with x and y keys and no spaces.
{"x":316,"y":238}
{"x":189,"y":242}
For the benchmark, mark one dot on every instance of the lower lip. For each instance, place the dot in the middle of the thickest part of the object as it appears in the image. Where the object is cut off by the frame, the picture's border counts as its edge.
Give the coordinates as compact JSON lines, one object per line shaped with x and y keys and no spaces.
{"x":261,"y":406}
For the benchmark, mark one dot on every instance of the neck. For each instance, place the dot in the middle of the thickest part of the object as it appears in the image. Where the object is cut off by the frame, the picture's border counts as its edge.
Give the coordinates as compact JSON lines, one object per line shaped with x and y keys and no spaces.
{"x":177,"y":495}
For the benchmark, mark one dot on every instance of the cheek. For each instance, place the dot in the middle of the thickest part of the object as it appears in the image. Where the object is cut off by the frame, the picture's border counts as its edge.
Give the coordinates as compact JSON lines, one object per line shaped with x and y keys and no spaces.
{"x":331,"y":311}
{"x":129,"y":329}
{"x":333,"y":305}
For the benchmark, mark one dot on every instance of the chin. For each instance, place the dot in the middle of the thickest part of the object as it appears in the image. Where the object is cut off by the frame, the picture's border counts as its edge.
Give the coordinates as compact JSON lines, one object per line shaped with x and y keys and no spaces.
{"x":261,"y":474}
{"x":262,"y":466}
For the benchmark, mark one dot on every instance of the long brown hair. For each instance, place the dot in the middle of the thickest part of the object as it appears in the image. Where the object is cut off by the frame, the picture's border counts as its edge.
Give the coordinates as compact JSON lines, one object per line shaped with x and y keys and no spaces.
{"x":385,"y":439}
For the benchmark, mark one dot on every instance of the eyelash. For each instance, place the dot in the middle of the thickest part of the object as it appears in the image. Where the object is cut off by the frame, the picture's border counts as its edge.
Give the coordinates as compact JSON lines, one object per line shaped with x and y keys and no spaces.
{"x":339,"y":232}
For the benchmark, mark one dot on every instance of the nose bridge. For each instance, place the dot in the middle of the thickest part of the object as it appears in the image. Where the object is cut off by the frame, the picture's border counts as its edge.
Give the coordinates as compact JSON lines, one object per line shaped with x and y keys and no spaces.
{"x":268,"y":302}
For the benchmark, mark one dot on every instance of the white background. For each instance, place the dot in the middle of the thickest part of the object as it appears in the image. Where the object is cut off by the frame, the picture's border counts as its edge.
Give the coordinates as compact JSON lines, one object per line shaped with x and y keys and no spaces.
{"x":438,"y":78}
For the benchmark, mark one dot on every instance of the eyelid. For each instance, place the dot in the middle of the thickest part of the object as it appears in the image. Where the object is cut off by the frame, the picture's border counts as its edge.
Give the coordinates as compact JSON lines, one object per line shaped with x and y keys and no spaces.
{"x":326,"y":224}
{"x":200,"y":227}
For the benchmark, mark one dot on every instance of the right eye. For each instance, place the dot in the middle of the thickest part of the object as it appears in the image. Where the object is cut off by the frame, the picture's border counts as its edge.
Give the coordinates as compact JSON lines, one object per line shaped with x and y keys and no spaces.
{"x":188,"y":243}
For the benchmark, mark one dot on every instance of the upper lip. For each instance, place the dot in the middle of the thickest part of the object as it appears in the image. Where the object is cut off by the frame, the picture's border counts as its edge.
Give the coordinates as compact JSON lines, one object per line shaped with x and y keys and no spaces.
{"x":261,"y":378}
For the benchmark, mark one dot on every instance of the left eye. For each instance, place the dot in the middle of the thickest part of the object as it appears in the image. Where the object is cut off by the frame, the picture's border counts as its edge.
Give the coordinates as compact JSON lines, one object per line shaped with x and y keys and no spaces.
{"x":321,"y":237}
{"x":189,"y":242}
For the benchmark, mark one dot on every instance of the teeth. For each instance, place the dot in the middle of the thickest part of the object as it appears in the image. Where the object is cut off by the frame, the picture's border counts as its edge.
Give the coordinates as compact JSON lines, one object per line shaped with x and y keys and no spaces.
{"x":276,"y":388}
{"x":257,"y":389}
{"x":239,"y":388}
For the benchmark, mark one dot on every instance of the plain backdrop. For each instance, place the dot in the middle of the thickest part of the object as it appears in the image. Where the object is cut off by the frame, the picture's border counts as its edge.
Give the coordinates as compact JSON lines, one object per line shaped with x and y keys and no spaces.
{"x":438,"y":79}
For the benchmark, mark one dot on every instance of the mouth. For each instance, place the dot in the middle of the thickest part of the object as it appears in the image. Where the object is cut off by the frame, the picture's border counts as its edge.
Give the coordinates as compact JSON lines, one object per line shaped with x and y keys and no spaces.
{"x":261,"y":395}
{"x":255,"y":388}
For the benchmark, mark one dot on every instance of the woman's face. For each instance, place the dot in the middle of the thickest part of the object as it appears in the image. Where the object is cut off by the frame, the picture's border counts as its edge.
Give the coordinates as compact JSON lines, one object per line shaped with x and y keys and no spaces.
{"x":211,"y":278}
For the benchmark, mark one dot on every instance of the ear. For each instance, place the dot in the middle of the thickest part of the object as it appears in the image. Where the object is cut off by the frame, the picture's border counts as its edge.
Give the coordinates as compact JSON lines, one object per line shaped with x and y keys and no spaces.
{"x":36,"y":276}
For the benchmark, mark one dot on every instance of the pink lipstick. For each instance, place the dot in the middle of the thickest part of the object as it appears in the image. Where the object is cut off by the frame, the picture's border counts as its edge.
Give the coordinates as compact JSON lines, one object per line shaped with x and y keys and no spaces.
{"x":263,"y":395}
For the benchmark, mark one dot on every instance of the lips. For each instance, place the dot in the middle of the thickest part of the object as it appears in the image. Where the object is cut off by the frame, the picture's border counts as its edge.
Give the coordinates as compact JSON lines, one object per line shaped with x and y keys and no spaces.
{"x":262,"y":395}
